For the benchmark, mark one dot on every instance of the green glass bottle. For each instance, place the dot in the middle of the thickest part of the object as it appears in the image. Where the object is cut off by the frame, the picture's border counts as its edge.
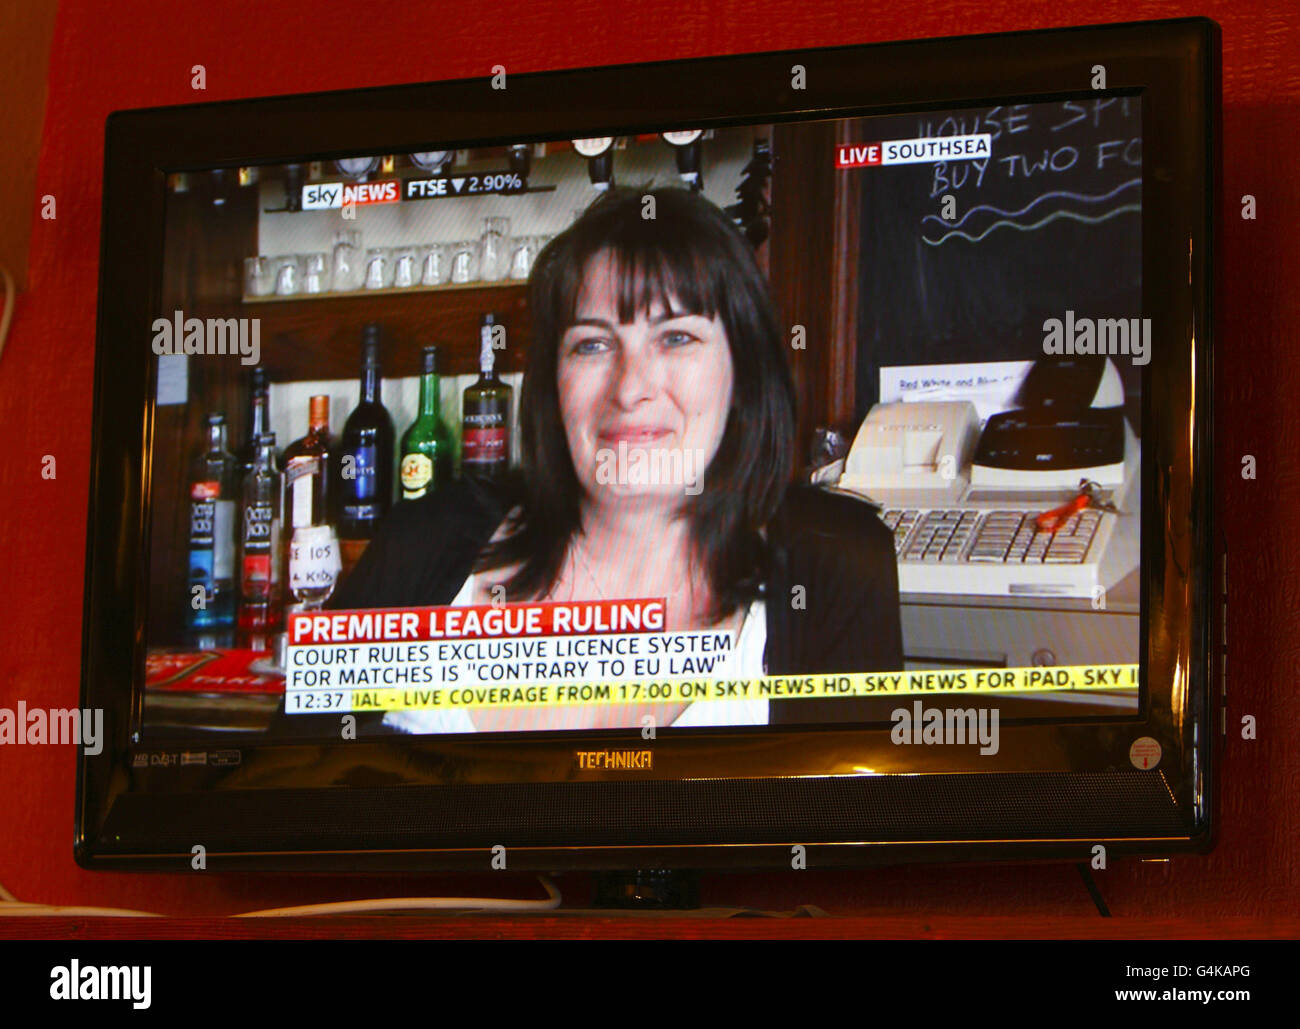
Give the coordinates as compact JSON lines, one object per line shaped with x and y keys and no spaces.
{"x":427,"y":446}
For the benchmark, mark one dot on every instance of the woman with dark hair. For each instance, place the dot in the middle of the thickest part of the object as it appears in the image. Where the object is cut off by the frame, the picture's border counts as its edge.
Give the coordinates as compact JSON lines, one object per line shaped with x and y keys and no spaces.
{"x":654,"y":344}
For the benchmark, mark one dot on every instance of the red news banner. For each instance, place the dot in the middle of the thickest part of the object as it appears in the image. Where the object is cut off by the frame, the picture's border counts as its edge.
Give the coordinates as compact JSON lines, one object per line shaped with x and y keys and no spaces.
{"x":530,"y":654}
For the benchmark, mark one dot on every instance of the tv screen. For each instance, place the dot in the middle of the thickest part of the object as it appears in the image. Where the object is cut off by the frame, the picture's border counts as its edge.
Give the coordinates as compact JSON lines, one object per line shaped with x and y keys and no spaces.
{"x":628,"y":574}
{"x":774,"y":442}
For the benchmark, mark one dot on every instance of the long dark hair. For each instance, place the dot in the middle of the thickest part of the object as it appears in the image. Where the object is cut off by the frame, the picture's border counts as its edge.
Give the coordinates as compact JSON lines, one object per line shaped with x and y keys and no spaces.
{"x":690,"y":257}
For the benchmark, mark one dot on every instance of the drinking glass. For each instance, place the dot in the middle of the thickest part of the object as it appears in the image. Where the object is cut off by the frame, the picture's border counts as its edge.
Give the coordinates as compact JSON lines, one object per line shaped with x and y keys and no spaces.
{"x":493,"y":253}
{"x":348,"y":267}
{"x":314,"y":564}
{"x":406,"y":272}
{"x":257,"y":276}
{"x":464,"y":261}
{"x":433,"y":265}
{"x":378,"y":268}
{"x":288,"y":274}
{"x":523,"y":252}
{"x":316,"y":273}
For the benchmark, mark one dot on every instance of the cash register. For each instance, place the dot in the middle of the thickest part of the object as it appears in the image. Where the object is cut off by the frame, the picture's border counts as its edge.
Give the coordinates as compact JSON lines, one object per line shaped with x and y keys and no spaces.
{"x":967,"y":504}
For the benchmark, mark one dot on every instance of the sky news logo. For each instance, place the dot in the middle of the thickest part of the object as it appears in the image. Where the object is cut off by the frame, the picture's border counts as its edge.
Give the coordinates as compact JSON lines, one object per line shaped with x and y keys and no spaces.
{"x":914,"y":151}
{"x":324,"y":196}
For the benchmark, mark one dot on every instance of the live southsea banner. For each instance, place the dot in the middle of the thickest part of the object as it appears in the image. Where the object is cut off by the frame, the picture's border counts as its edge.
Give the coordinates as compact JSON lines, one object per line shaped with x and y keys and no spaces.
{"x":554,"y":654}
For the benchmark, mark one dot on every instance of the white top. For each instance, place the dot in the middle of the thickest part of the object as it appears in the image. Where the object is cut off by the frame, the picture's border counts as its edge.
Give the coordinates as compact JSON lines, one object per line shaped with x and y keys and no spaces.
{"x":745,"y":662}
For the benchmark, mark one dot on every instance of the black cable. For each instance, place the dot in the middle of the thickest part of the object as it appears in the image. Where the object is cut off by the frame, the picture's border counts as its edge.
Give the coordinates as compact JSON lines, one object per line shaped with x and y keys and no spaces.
{"x":1086,"y":874}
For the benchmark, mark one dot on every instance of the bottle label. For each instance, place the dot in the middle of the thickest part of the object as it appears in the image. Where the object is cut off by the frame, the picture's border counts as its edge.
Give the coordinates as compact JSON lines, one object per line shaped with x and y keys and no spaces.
{"x":313,"y":561}
{"x":223,"y":539}
{"x":300,"y":466}
{"x":203,"y":512}
{"x":360,"y":474}
{"x":202,"y":515}
{"x":301,"y":512}
{"x":257,"y":575}
{"x":201,"y":575}
{"x":259,"y":519}
{"x":485,"y":446}
{"x":300,"y":480}
{"x":201,"y":567}
{"x":261,"y":539}
{"x":417,"y":473}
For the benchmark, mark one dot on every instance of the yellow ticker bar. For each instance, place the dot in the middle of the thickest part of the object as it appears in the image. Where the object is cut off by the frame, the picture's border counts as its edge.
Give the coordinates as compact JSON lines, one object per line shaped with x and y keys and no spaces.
{"x":959,"y":681}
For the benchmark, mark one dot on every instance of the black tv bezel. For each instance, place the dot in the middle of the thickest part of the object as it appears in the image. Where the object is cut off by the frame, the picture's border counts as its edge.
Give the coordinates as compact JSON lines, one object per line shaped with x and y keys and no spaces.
{"x":1173,"y":66}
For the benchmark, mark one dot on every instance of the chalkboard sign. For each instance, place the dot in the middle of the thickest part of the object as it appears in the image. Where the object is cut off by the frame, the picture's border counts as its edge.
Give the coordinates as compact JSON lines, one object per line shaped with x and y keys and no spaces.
{"x":963,"y":260}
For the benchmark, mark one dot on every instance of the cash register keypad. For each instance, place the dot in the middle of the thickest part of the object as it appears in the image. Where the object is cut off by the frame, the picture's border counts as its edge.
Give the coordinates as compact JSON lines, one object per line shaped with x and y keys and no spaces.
{"x":963,"y":536}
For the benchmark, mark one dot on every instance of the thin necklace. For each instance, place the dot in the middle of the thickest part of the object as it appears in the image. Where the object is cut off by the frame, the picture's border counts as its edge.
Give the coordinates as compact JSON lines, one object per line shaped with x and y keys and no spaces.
{"x":579,"y":549}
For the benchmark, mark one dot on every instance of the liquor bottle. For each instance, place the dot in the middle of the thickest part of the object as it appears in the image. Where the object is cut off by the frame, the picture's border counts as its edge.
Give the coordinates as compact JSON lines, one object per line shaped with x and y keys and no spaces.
{"x":259,"y":419}
{"x":363,"y":481}
{"x":211,"y":600}
{"x":485,"y":444}
{"x":427,"y":445}
{"x":312,"y":556}
{"x":306,"y":469}
{"x":260,"y":582}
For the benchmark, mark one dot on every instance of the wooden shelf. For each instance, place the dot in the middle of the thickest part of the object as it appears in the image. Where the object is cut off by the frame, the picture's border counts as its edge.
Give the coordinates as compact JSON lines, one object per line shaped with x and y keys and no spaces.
{"x":322,"y":340}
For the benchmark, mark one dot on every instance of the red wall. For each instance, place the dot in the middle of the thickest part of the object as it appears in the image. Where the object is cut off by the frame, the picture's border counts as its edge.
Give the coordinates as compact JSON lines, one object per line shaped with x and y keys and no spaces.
{"x":135,"y":54}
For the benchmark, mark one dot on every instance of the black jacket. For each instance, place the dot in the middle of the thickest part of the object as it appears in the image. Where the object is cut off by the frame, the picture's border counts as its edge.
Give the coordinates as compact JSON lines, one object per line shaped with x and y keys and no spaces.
{"x":845,"y":619}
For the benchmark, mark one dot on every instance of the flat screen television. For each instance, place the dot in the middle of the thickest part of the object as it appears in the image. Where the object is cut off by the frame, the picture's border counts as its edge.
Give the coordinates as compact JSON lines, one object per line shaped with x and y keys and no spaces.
{"x":790,"y":457}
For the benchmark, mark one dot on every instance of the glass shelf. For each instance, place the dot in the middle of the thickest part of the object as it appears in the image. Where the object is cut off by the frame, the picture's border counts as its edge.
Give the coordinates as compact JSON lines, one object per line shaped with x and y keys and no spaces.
{"x":388,"y":291}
